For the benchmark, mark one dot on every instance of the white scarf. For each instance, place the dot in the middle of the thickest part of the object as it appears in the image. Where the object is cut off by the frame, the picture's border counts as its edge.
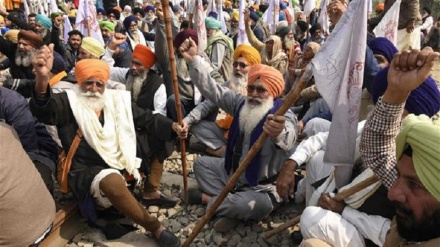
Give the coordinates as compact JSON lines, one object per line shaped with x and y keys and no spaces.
{"x":141,"y":40}
{"x":115,"y":142}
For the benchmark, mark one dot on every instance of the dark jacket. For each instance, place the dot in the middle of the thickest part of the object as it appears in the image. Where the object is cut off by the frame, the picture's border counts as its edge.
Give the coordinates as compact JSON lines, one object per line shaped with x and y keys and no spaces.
{"x":86,"y":164}
{"x":26,"y":26}
{"x":65,"y":50}
{"x":9,"y":48}
{"x":123,"y":60}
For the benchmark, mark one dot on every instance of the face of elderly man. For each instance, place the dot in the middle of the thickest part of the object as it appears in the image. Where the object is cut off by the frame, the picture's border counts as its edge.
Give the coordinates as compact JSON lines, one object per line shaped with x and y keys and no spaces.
{"x":417,"y":211}
{"x":83,"y":54}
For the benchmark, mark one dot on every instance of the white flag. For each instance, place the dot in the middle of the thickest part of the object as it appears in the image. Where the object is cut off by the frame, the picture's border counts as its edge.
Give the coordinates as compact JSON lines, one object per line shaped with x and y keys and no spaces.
{"x":201,"y":29}
{"x":87,"y":12}
{"x":53,"y":7}
{"x":242,"y":36}
{"x":323,"y":17}
{"x":271,"y":15}
{"x":67,"y":28}
{"x":309,"y":6}
{"x":26,"y":10}
{"x":221,"y":17}
{"x":338,"y":69}
{"x":387,"y":27}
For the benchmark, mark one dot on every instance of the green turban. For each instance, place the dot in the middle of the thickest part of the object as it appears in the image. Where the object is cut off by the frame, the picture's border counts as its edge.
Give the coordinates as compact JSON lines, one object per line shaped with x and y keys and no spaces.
{"x":107,"y":25}
{"x":423,"y":135}
{"x":212,"y":23}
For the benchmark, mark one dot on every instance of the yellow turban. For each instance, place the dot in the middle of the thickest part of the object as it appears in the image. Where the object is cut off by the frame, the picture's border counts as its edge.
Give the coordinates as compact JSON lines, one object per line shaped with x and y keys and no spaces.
{"x":92,"y":46}
{"x":271,"y":78}
{"x":423,"y":135}
{"x":235,"y":15}
{"x":91,"y":68}
{"x":2,"y":19}
{"x":12,"y":35}
{"x":228,"y":4}
{"x":249,"y":53}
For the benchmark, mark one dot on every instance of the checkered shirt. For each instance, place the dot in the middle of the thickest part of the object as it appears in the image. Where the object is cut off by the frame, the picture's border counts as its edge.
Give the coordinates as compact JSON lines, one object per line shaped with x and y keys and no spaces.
{"x":378,"y":144}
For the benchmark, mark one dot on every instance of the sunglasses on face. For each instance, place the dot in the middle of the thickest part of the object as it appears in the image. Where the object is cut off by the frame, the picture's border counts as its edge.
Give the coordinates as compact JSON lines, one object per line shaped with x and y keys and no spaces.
{"x":260,"y":89}
{"x":241,"y":64}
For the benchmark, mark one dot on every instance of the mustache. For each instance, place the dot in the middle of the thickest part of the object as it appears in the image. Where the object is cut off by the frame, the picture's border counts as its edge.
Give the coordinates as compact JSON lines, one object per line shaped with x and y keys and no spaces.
{"x":250,"y":98}
{"x":91,"y":94}
{"x":239,"y":73}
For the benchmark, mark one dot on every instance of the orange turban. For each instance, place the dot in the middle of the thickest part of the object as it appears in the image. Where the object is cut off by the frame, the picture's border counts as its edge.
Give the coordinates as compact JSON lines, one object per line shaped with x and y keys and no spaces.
{"x":271,"y":78}
{"x":249,"y":53}
{"x":91,"y":68}
{"x":145,"y":55}
{"x":380,"y":7}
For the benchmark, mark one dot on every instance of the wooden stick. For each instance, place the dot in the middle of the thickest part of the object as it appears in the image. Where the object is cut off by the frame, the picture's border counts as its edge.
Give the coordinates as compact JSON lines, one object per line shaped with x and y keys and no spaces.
{"x":169,"y":34}
{"x":339,"y":197}
{"x":290,"y":99}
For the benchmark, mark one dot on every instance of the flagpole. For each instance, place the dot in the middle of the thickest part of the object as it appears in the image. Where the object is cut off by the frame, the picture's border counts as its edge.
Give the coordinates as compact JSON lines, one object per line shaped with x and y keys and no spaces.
{"x":289,"y":100}
{"x":169,"y":34}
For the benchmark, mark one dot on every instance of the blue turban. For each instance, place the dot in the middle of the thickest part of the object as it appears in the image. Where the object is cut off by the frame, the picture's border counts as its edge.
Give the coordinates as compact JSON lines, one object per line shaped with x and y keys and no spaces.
{"x":253,"y":15}
{"x":212,"y":23}
{"x":4,"y":30}
{"x":423,"y":100}
{"x":213,"y":14}
{"x":44,"y":21}
{"x":148,"y":8}
{"x":100,"y":10}
{"x":283,"y":6}
{"x":128,"y":20}
{"x":384,"y":47}
{"x":59,"y":64}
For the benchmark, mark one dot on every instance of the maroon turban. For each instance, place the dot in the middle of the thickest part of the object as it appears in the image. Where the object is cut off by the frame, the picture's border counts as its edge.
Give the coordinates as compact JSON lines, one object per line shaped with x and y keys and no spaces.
{"x":182,"y":36}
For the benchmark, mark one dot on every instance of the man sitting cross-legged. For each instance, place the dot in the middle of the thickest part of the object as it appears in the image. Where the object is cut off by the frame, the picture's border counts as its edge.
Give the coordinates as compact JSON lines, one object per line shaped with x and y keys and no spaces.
{"x":254,"y":196}
{"x":107,"y":120}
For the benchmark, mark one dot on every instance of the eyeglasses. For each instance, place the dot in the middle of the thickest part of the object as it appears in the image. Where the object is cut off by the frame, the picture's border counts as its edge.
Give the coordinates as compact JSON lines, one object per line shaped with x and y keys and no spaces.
{"x":260,"y":89}
{"x":241,"y":64}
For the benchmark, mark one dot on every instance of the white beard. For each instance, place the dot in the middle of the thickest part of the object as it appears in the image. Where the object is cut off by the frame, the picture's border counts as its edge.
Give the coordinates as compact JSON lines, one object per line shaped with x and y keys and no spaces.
{"x":251,"y":115}
{"x":26,"y":59}
{"x":43,"y":33}
{"x":94,"y":101}
{"x":238,"y":84}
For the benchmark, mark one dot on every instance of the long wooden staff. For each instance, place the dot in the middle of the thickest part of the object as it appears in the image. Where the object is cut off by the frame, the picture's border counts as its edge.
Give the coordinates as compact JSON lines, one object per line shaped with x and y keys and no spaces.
{"x":290,"y":99}
{"x":167,"y":20}
{"x":339,"y":197}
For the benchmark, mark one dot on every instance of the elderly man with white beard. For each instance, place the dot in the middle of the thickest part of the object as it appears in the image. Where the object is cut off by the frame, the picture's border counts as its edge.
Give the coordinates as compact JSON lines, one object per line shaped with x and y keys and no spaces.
{"x":105,"y":121}
{"x":20,"y":54}
{"x":214,"y":135}
{"x":254,"y":196}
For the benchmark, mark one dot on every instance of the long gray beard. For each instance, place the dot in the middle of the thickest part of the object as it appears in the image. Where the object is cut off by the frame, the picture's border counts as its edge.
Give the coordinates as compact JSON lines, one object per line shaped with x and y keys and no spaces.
{"x":135,"y":35}
{"x":237,"y":84}
{"x":134,"y":85}
{"x":94,"y":101}
{"x":251,"y":115}
{"x":26,"y":59}
{"x":182,"y":69}
{"x":43,"y":33}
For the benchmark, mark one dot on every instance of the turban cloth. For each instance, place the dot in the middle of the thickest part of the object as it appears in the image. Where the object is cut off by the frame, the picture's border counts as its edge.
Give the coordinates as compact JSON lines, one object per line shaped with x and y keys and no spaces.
{"x":271,"y":78}
{"x":4,"y":30}
{"x":91,"y":68}
{"x":59,"y":64}
{"x":283,"y":31}
{"x":315,"y":46}
{"x":380,"y":7}
{"x":384,"y":47}
{"x":283,"y":5}
{"x":2,"y":19}
{"x":213,"y":14}
{"x":176,"y":8}
{"x":115,"y":12}
{"x":140,"y":11}
{"x":149,"y":8}
{"x":92,"y":46}
{"x":423,"y":100}
{"x":228,"y":4}
{"x":118,"y":8}
{"x":100,"y":10}
{"x":110,"y":26}
{"x":256,"y":7}
{"x":249,"y":53}
{"x":54,"y":15}
{"x":44,"y":21}
{"x":182,"y":36}
{"x":253,"y":15}
{"x":423,"y":135}
{"x":31,"y":37}
{"x":235,"y":15}
{"x":127,"y":8}
{"x":128,"y":20}
{"x":145,"y":55}
{"x":302,"y":25}
{"x":212,"y":23}
{"x":12,"y":35}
